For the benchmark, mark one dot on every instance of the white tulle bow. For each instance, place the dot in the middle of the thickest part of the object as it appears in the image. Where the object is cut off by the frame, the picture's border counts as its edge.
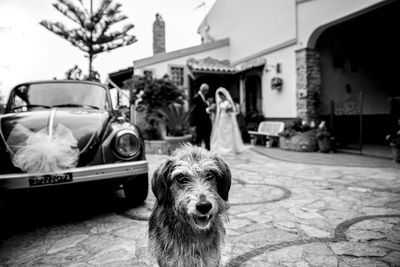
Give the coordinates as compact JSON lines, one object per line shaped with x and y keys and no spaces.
{"x":43,"y":152}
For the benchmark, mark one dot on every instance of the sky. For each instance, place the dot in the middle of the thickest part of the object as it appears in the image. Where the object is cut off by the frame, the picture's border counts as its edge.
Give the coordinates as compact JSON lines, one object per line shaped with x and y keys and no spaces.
{"x":29,"y":52}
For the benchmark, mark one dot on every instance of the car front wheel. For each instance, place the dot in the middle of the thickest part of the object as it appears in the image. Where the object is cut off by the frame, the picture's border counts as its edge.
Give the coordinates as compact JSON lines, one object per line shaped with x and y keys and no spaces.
{"x":136,"y":189}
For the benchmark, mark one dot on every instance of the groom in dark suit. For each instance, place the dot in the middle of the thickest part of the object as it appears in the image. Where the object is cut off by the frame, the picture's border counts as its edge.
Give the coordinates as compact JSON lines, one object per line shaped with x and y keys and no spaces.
{"x":200,"y":117}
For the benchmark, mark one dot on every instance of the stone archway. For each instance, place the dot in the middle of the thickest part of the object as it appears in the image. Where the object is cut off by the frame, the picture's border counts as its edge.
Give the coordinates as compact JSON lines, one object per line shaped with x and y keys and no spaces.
{"x":352,"y":63}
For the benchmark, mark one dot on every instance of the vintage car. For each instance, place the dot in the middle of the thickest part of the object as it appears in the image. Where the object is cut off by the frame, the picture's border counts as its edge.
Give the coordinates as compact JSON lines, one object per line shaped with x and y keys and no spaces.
{"x":64,"y":133}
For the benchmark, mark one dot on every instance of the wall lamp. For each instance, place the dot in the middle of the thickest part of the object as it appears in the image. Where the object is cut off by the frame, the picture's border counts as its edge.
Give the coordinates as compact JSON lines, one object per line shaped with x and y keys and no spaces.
{"x":277,"y":67}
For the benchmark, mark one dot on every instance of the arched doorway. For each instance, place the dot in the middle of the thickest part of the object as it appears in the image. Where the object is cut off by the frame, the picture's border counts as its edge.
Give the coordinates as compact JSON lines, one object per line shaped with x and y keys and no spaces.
{"x":359,"y":67}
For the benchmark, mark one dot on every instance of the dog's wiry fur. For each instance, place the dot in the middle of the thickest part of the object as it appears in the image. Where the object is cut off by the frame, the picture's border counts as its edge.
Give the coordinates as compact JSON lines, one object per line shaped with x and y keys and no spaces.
{"x":186,"y":226}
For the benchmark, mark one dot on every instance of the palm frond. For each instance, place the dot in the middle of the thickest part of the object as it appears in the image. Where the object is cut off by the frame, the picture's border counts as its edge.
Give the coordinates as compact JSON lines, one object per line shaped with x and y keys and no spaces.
{"x":175,"y":118}
{"x":73,"y":36}
{"x":73,"y":12}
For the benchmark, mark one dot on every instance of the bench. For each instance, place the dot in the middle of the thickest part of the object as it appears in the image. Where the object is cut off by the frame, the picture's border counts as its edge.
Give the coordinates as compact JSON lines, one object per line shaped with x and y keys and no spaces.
{"x":267,"y":129}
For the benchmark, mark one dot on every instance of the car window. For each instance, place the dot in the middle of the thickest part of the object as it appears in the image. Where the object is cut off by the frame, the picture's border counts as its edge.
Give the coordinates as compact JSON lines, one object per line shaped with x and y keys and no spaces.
{"x":19,"y":99}
{"x":19,"y":102}
{"x":60,"y":94}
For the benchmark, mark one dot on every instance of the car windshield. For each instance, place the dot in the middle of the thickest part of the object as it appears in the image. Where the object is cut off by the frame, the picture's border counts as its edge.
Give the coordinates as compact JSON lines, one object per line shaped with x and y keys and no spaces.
{"x":62,"y":94}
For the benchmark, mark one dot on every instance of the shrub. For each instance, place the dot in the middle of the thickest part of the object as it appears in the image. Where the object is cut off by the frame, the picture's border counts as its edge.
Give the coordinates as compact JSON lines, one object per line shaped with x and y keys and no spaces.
{"x":322,"y":131}
{"x":149,"y":95}
{"x":148,"y":130}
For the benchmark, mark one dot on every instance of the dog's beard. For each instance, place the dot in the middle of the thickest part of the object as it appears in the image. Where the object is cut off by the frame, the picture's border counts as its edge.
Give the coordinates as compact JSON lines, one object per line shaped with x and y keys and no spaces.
{"x":197,"y":221}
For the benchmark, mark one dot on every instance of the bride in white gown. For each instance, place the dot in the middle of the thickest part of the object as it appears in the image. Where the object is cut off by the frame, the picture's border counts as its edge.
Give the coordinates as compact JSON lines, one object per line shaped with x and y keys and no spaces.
{"x":225,"y":136}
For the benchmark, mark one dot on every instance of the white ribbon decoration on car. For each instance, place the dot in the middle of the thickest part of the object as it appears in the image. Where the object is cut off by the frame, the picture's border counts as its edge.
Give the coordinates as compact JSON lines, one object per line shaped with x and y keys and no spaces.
{"x":46,"y":151}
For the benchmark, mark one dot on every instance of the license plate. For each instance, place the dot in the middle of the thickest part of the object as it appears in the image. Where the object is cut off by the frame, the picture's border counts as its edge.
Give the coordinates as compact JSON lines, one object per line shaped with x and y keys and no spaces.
{"x":50,"y":179}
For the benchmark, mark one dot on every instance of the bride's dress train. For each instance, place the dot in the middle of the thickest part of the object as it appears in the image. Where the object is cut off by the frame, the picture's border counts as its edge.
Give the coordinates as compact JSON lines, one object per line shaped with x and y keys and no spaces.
{"x":226,"y":137}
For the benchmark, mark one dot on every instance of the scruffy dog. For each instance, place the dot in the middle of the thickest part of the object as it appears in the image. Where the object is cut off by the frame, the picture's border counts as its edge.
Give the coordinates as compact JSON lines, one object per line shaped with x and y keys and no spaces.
{"x":186,"y":226}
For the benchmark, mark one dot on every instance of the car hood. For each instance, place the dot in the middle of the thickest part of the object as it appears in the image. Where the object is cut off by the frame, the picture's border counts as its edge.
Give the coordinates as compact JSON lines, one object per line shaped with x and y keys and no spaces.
{"x":86,"y":126}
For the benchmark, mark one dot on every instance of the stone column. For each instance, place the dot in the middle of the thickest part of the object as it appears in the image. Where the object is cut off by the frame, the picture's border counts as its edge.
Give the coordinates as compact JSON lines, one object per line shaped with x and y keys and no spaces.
{"x":308,"y":85}
{"x":242,"y":95}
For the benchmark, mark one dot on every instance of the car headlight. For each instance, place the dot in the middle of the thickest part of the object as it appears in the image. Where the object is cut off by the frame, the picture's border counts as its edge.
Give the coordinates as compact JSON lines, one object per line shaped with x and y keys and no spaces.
{"x":127,"y":144}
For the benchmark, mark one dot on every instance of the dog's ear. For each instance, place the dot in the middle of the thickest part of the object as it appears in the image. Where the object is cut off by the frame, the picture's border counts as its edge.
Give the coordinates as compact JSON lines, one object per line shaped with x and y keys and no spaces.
{"x":160,"y":184}
{"x":223,"y":180}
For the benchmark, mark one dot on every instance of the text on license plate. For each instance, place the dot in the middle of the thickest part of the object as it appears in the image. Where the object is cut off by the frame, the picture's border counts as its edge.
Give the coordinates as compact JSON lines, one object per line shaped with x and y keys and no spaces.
{"x":50,"y":179}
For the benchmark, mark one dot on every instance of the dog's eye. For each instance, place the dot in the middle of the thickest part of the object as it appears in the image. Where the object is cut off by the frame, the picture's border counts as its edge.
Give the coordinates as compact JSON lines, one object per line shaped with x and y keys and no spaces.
{"x":181,"y":178}
{"x":209,"y":177}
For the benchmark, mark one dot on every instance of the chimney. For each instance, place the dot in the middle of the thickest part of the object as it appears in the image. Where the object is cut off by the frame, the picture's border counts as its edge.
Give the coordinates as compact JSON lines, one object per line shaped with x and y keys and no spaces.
{"x":158,"y":35}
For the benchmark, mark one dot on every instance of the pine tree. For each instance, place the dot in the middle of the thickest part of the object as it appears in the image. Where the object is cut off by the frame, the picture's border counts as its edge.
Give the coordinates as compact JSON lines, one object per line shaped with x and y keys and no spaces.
{"x":92,"y":34}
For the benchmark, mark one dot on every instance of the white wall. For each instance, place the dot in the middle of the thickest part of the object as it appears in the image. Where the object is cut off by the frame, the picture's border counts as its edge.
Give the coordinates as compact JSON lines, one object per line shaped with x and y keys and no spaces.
{"x":311,"y":15}
{"x":161,"y":68}
{"x":252,"y":26}
{"x":319,"y":14}
{"x":280,"y":103}
{"x":315,"y":13}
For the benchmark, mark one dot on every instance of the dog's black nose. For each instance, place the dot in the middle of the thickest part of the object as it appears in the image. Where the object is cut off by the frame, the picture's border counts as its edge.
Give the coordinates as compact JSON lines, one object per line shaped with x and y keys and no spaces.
{"x":203,"y":206}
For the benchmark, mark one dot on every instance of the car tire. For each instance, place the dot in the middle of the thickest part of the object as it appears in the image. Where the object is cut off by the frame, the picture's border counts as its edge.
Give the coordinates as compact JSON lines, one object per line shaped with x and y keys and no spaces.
{"x":136,"y":190}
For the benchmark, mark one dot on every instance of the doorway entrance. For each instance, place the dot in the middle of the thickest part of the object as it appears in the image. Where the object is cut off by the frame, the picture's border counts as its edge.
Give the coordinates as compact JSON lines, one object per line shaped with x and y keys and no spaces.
{"x":359,"y":63}
{"x":253,"y":94}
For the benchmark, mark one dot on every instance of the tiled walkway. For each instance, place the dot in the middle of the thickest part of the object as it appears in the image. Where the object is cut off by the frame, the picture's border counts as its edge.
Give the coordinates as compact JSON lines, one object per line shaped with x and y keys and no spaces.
{"x":286,"y":209}
{"x":334,"y":159}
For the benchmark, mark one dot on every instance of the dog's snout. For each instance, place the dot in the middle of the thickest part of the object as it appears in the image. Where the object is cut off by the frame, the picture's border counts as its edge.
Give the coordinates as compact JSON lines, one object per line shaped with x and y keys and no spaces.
{"x":203,"y":207}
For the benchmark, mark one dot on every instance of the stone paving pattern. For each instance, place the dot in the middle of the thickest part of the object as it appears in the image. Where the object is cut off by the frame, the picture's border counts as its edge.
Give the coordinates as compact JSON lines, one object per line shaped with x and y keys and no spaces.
{"x":282,"y":214}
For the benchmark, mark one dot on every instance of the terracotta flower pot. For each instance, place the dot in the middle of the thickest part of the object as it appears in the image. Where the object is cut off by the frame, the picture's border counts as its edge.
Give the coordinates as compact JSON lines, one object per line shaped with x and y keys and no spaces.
{"x":324,"y":145}
{"x":396,"y":152}
{"x":301,"y":141}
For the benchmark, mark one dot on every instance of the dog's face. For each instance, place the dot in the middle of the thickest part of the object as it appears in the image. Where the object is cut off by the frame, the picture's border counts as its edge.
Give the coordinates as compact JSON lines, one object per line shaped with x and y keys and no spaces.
{"x":195,"y":184}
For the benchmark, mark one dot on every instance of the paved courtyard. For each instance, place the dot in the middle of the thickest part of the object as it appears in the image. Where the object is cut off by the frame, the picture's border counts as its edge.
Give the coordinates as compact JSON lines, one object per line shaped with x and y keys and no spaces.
{"x":282,"y":213}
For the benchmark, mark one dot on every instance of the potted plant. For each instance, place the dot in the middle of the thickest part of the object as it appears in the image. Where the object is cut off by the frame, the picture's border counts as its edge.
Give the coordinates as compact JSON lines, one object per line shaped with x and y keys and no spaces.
{"x":300,"y":135}
{"x":394,"y":142}
{"x":149,"y":95}
{"x":324,"y":138}
{"x":153,"y":97}
{"x":176,"y":120}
